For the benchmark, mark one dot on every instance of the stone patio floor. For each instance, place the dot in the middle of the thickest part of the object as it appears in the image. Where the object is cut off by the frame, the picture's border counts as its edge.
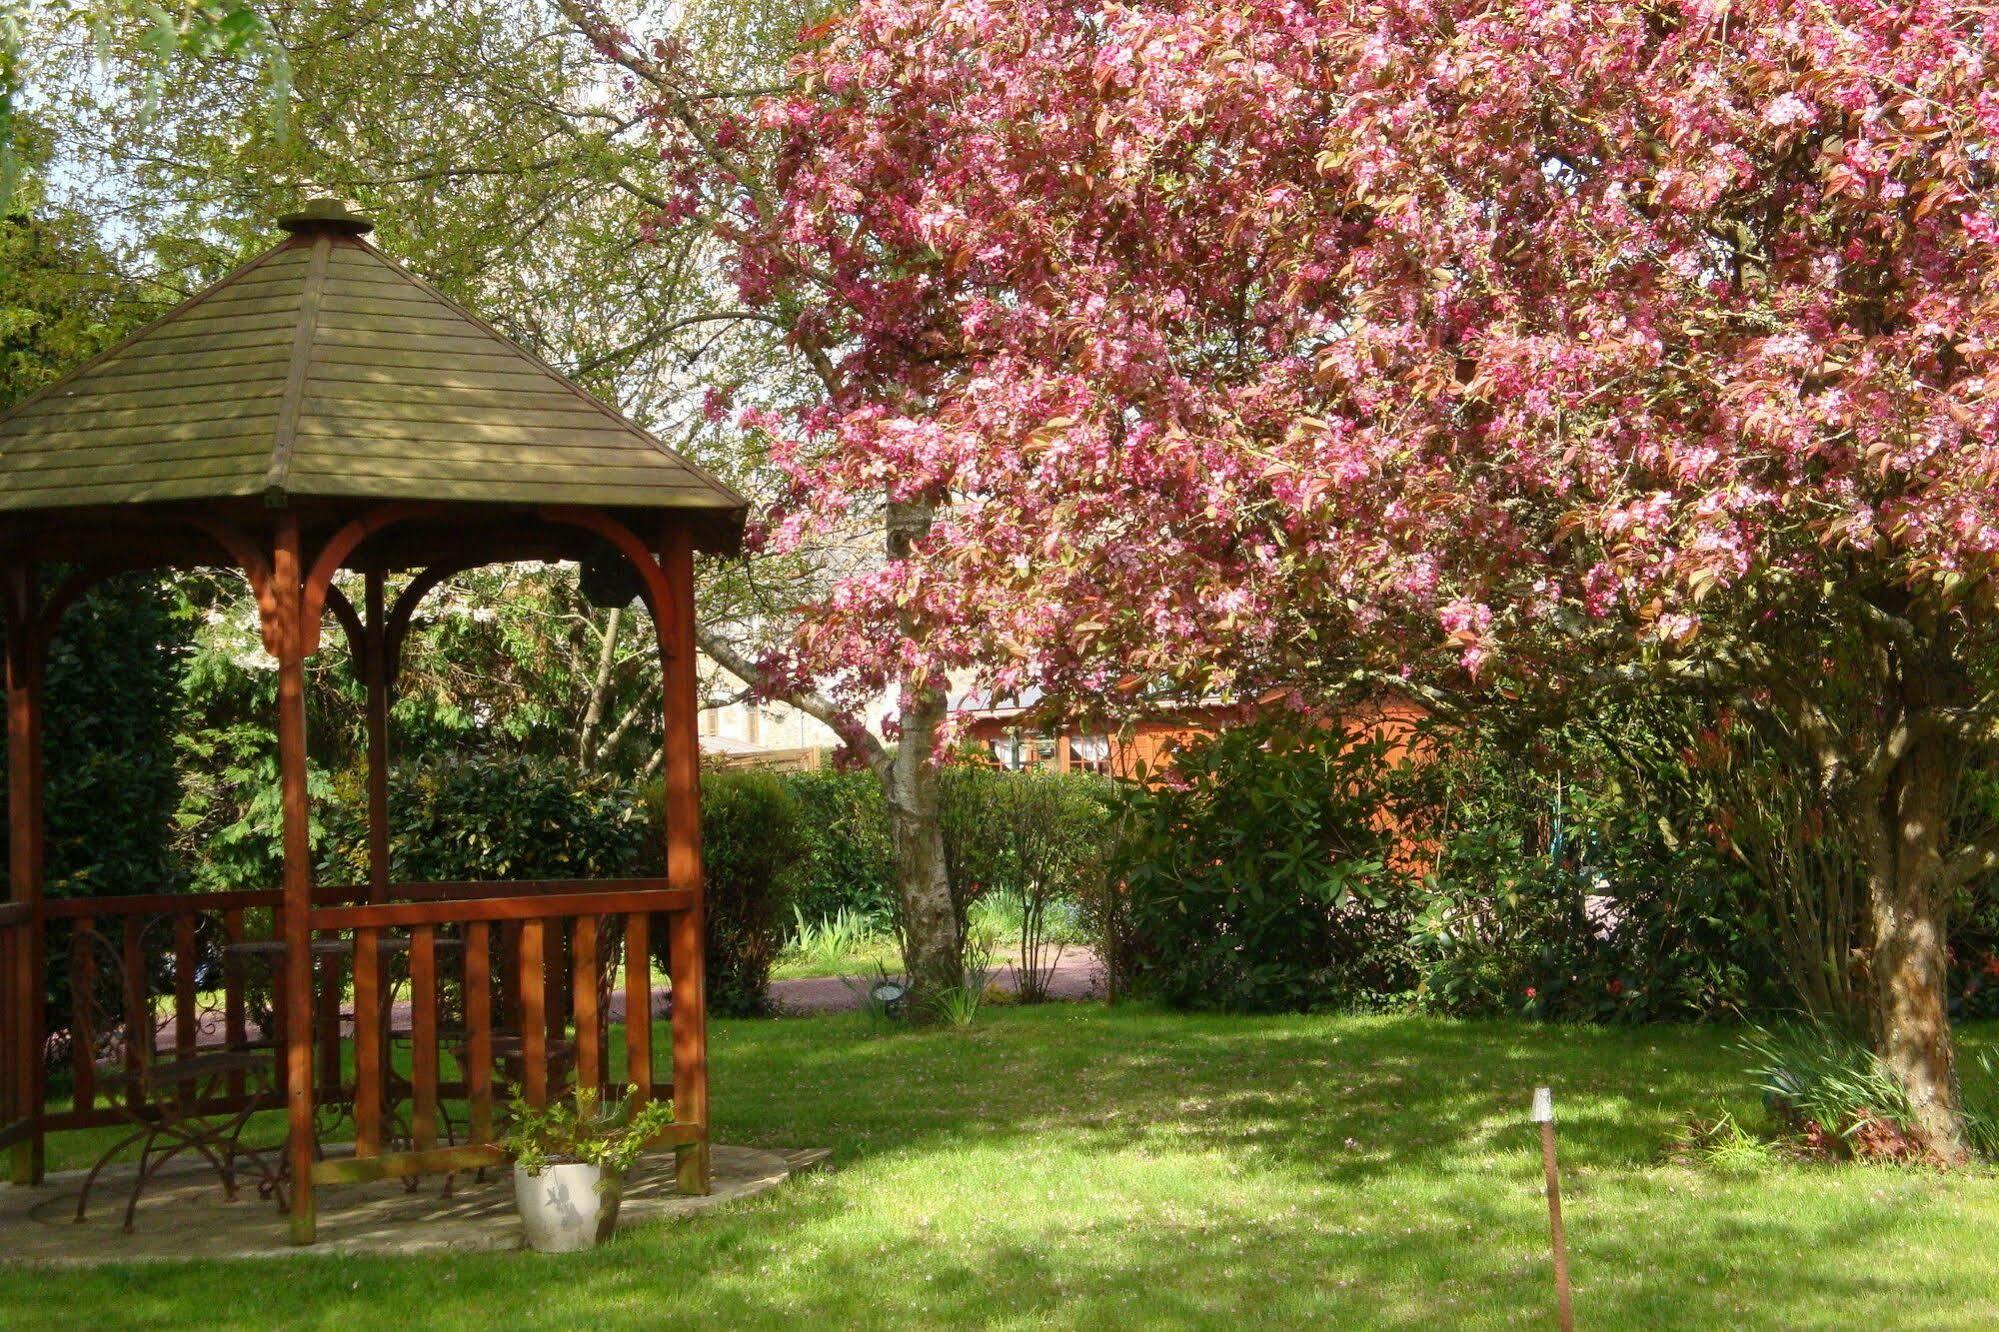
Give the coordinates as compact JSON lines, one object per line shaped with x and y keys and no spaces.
{"x":184,"y":1214}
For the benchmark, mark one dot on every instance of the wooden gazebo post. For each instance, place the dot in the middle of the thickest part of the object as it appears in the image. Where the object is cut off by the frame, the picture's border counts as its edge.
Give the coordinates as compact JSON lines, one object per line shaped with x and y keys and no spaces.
{"x":287,"y":586}
{"x":682,"y":768}
{"x":25,"y":675}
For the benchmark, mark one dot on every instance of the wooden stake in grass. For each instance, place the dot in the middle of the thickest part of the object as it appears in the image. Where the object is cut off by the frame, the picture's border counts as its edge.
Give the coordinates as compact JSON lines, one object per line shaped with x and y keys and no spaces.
{"x":1544,"y":1115}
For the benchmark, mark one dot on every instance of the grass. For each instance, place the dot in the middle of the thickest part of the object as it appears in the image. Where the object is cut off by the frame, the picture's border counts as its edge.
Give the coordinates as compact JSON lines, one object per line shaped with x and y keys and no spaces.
{"x":1069,"y":1165}
{"x":859,"y":958}
{"x":850,"y":944}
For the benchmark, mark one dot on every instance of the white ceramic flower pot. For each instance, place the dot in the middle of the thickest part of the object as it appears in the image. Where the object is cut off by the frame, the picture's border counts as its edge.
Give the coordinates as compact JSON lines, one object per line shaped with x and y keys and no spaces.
{"x":565,"y":1209}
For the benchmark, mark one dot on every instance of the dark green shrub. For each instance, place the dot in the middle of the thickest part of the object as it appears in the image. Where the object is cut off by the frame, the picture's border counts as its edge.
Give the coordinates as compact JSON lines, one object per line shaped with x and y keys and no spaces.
{"x":1261,"y":878}
{"x":753,"y":852}
{"x":1556,"y":893}
{"x":113,"y":694}
{"x":849,"y":858}
{"x":484,"y":818}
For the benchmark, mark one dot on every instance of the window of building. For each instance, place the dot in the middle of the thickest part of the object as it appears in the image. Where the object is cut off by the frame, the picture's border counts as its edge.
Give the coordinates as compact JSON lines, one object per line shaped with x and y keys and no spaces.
{"x":1090,"y":753}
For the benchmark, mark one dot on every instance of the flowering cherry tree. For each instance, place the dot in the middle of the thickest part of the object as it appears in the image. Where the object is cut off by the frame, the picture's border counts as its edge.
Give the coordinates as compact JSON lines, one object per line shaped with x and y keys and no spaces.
{"x":1495,"y":345}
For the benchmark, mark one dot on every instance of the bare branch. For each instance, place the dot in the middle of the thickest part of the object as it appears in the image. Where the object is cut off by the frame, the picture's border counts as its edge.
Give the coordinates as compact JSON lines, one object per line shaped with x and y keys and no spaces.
{"x":810,"y":702}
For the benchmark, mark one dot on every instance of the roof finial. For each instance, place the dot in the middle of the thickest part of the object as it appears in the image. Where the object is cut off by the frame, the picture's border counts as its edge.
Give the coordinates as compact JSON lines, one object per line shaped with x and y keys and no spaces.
{"x":326,"y":214}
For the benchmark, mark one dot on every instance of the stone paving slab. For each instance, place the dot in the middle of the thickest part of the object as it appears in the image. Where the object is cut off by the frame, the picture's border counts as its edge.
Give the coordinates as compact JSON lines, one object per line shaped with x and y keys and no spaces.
{"x":184,"y":1215}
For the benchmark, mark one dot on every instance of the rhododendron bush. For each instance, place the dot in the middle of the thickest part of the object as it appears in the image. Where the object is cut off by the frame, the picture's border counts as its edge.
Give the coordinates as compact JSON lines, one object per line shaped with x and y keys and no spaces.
{"x":1503,"y":347}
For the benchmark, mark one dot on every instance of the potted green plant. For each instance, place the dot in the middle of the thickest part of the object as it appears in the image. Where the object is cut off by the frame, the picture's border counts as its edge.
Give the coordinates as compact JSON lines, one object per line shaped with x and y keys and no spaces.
{"x":570,"y":1158}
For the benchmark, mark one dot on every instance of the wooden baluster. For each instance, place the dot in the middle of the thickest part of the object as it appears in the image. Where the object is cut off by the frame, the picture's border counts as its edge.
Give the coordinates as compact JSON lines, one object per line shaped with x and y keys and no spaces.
{"x":330,"y":995}
{"x":82,"y":985}
{"x":638,"y":1004}
{"x":235,"y":1019}
{"x":423,"y":1035}
{"x":14,"y":1105}
{"x":479,"y":1028}
{"x":369,"y":1058}
{"x":184,"y":1000}
{"x":534,"y":1021}
{"x":16,"y":1100}
{"x":583,"y":983}
{"x":138,"y":1008}
{"x":281,"y":1079}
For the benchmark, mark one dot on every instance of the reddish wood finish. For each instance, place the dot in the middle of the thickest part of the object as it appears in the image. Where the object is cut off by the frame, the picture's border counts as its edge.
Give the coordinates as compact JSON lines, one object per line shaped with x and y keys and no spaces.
{"x":184,"y":1001}
{"x":524,"y":910}
{"x":396,"y":629}
{"x":584,"y":977}
{"x":687,"y":959}
{"x":638,"y":1006}
{"x":138,"y":1012}
{"x":326,"y":1014}
{"x":479,"y":1028}
{"x":555,"y":956}
{"x":370,"y":1056}
{"x":287,"y":589}
{"x":23,"y":974}
{"x":534,"y":1034}
{"x":423,"y":1036}
{"x":334,"y":554}
{"x":83,"y":1045}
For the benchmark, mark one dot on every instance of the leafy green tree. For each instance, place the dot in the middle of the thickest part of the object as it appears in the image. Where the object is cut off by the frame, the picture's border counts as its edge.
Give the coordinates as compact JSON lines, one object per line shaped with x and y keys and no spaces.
{"x":113,"y":668}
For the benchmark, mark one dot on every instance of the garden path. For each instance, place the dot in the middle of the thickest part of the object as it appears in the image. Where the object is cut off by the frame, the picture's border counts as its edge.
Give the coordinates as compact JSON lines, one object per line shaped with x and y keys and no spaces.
{"x":1079,"y":974}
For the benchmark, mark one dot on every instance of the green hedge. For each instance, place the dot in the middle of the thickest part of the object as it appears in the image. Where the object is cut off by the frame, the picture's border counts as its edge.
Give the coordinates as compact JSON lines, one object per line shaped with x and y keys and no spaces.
{"x":113,"y":692}
{"x":1261,"y":877}
{"x":849,"y":859}
{"x":484,"y":818}
{"x":753,"y":854}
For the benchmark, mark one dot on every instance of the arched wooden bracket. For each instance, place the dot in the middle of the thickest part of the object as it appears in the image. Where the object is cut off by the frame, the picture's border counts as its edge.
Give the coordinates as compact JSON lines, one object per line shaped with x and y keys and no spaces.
{"x":397,"y":631}
{"x":350,"y":621}
{"x":76,"y":586}
{"x":255,"y":567}
{"x":342,"y":544}
{"x":652,"y":579}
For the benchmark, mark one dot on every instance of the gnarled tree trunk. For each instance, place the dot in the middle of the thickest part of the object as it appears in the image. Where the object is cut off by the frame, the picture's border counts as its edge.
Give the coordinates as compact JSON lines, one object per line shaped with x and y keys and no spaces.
{"x":1908,"y":967}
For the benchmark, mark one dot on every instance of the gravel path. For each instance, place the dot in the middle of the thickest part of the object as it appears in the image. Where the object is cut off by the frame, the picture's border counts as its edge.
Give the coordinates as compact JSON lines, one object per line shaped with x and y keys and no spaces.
{"x":1078,"y":975}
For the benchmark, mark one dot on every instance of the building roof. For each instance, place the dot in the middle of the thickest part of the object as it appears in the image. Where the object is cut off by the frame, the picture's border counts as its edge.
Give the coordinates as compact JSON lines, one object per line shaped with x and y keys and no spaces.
{"x":325,"y":370}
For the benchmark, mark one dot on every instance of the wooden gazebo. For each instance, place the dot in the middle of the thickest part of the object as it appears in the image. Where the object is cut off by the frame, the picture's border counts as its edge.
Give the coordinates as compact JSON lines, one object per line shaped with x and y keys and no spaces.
{"x":321,"y":409}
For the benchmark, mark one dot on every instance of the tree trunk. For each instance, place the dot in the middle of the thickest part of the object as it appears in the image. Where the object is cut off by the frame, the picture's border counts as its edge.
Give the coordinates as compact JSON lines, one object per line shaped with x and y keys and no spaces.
{"x":600,"y":688}
{"x":932,"y":954}
{"x":1908,"y":967}
{"x":930,"y":944}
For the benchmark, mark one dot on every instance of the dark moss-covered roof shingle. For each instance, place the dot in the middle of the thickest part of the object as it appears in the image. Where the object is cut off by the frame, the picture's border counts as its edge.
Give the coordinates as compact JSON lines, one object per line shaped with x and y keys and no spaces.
{"x":322,"y":369}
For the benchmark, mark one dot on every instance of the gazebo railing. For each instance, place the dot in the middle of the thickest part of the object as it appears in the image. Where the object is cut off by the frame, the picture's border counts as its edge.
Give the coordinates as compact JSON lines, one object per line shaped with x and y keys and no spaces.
{"x":166,"y":943}
{"x":553,"y":969}
{"x":17,"y":1055}
{"x":491,"y":974}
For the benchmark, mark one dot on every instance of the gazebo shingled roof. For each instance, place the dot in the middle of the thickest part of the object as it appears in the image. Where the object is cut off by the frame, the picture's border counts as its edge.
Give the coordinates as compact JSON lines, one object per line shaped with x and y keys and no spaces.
{"x":332,"y":372}
{"x":323,"y":410}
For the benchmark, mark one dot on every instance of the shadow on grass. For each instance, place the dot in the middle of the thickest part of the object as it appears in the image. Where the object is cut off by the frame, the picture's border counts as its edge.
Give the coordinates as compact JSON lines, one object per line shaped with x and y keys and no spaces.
{"x":1070,"y":1166}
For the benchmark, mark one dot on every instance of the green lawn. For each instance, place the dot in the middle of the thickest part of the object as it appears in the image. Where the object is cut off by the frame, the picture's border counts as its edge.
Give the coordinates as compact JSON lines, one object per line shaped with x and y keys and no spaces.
{"x":1072,"y":1166}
